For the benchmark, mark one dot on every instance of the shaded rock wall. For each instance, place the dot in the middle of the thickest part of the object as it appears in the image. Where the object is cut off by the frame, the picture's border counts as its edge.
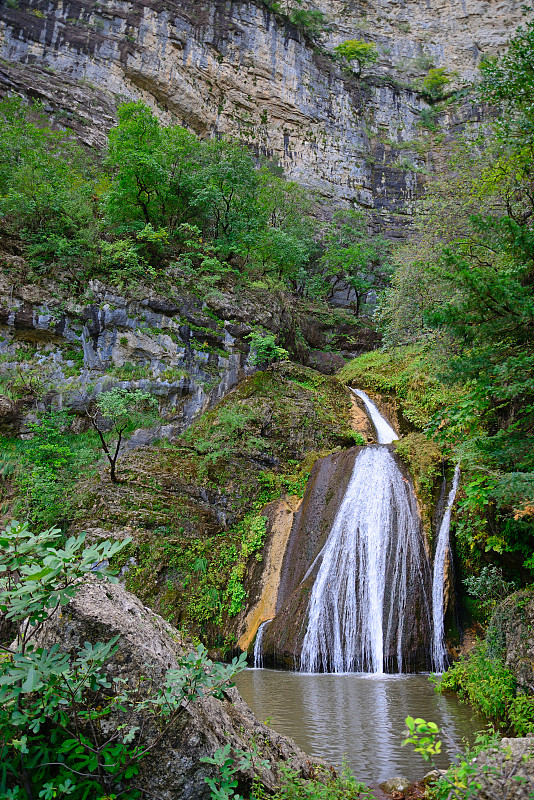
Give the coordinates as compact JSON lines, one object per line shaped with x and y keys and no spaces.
{"x":188,"y":351}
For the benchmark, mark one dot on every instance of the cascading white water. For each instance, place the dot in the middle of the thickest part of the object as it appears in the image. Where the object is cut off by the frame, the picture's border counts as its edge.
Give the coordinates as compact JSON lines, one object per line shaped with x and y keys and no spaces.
{"x":371,"y":560}
{"x":258,"y":652}
{"x":439,"y":652}
{"x":372,"y":553}
{"x":384,"y":432}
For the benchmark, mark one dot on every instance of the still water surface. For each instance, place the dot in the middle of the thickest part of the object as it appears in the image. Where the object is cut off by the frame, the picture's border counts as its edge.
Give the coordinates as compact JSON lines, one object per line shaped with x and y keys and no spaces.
{"x":359,"y":718}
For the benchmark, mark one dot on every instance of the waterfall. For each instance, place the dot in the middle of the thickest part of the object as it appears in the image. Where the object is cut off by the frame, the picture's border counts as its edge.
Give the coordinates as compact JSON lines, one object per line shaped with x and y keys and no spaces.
{"x":258,"y":652}
{"x":439,"y":652}
{"x":371,"y":567}
{"x":384,"y":432}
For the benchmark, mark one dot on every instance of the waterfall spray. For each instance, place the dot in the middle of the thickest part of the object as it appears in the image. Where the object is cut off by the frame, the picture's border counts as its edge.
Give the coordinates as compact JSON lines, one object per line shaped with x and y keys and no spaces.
{"x":439,"y":652}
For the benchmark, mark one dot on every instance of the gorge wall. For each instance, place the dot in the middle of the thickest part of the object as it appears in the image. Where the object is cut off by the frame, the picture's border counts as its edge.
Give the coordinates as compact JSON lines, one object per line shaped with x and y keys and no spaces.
{"x":224,"y":67}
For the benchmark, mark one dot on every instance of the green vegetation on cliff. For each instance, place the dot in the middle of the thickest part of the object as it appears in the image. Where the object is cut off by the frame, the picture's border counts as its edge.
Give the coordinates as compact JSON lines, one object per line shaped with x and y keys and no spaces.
{"x":170,"y":208}
{"x":459,"y":321}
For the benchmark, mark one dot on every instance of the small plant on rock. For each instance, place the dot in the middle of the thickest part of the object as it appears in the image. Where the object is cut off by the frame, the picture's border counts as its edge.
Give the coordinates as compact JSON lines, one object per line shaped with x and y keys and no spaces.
{"x":354,"y":50}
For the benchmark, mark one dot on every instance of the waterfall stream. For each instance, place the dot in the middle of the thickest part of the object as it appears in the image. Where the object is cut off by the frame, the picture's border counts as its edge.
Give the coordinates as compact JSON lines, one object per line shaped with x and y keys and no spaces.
{"x":439,"y":653}
{"x":371,"y":566}
{"x":258,"y":653}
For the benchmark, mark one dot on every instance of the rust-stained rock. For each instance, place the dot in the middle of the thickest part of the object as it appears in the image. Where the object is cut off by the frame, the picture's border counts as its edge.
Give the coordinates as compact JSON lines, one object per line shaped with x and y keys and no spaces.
{"x":280,"y":515}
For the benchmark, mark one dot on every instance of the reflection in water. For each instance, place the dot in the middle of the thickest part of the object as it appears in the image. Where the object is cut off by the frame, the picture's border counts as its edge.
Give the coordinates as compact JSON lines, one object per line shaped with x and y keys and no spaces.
{"x":356,"y":717}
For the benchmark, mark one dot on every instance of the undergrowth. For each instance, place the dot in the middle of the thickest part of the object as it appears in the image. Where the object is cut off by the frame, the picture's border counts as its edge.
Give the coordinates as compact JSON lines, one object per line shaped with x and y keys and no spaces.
{"x":490,"y":687}
{"x":409,"y":373}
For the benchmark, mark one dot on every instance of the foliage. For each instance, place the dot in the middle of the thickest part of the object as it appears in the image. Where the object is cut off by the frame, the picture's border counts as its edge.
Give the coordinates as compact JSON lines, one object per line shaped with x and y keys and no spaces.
{"x":46,"y":467}
{"x":464,"y":286}
{"x":463,"y":779}
{"x":433,"y":84}
{"x":423,"y":736}
{"x":489,"y":587}
{"x":46,"y":187}
{"x":353,"y":258}
{"x":163,"y":206}
{"x":490,"y":687}
{"x":325,"y":785}
{"x":364,"y":53}
{"x":409,"y":373}
{"x":265,"y":350}
{"x":58,"y":718}
{"x":116,"y":412}
{"x":312,"y":22}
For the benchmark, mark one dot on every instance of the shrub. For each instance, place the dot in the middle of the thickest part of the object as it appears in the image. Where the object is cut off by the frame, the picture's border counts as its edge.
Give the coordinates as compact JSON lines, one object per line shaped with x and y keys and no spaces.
{"x":363,"y":53}
{"x":265,"y":350}
{"x":434,"y":83}
{"x":490,"y":687}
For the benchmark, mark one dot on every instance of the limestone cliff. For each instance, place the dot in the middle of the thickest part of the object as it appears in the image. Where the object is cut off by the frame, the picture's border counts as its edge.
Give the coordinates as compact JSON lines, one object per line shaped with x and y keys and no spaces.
{"x":223,"y":67}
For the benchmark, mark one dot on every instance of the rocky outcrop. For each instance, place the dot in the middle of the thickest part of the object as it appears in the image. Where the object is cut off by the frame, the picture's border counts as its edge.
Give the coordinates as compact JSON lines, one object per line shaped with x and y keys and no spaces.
{"x":222,"y":67}
{"x":509,"y":636}
{"x":505,"y":772}
{"x":148,"y":644}
{"x":187,"y":351}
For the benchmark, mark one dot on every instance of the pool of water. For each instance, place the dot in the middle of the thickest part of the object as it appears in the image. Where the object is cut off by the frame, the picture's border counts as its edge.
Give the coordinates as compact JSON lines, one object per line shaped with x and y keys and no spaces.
{"x":356,"y":718}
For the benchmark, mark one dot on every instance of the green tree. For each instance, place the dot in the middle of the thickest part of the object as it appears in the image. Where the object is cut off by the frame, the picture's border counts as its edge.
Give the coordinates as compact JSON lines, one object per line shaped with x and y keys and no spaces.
{"x":115,"y":413}
{"x":156,"y":171}
{"x":353,"y":258}
{"x":46,"y":192}
{"x":433,"y":85}
{"x":363,"y":53}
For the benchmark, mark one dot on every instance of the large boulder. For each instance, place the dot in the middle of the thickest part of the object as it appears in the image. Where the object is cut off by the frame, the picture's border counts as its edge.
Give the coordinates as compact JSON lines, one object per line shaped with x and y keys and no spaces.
{"x":173,"y":770}
{"x":506,"y":772}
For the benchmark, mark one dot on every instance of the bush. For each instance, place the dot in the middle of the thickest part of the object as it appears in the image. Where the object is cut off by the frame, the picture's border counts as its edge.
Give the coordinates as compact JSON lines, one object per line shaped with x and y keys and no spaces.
{"x":57,"y":710}
{"x":434,"y":83}
{"x":265,"y":350}
{"x":490,"y":687}
{"x":363,"y":53}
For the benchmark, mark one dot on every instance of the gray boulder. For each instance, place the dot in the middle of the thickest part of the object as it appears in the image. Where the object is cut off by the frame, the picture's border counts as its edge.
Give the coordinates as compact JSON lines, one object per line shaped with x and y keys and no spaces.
{"x":173,"y":770}
{"x":506,"y":772}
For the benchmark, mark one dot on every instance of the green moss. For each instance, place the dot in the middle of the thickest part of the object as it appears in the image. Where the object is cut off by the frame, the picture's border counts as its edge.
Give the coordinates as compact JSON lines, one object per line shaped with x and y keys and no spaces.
{"x":409,"y":373}
{"x":195,"y":507}
{"x":423,"y":458}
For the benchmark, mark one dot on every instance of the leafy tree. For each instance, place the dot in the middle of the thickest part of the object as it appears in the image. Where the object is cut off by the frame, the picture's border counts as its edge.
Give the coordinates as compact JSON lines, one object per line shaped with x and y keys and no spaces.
{"x":353,"y":258}
{"x":116,"y":412}
{"x":58,"y":711}
{"x":156,"y":171}
{"x":46,"y":191}
{"x":363,"y":53}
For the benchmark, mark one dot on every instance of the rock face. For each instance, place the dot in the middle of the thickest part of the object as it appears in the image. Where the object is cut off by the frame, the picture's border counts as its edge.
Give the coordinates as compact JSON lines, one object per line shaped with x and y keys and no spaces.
{"x":173,"y":770}
{"x":510,"y":637}
{"x":506,"y":773}
{"x":222,"y":67}
{"x":187,"y":351}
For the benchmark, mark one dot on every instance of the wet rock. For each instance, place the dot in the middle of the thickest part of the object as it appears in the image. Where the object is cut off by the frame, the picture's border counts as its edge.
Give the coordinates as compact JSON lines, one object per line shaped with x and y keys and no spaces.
{"x":397,"y":784}
{"x":173,"y":770}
